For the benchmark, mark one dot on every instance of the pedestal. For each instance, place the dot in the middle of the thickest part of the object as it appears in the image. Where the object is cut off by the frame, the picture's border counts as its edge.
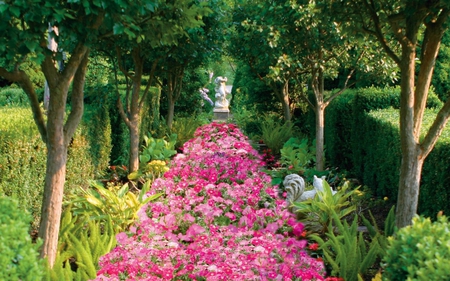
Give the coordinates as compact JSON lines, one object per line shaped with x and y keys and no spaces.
{"x":221,"y":114}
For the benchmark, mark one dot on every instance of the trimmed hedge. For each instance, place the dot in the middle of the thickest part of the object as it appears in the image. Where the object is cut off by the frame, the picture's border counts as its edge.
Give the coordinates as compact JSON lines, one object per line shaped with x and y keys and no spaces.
{"x":23,"y":159}
{"x":362,"y":136}
{"x":19,"y":259}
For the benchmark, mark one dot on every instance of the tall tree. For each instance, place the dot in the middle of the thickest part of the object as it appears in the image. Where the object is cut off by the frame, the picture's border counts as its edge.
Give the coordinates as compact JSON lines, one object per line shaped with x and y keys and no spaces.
{"x":203,"y":44}
{"x":410,"y":32}
{"x":24,"y":29}
{"x":140,"y":41}
{"x":305,"y":46}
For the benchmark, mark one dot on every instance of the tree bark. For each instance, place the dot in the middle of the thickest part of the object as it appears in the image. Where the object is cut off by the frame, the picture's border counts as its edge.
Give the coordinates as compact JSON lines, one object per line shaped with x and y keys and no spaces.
{"x":59,"y":135}
{"x":320,"y":127}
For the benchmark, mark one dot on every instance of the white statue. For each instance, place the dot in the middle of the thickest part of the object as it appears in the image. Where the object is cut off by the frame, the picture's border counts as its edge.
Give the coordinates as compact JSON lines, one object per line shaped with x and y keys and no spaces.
{"x":223,"y":96}
{"x":295,"y":188}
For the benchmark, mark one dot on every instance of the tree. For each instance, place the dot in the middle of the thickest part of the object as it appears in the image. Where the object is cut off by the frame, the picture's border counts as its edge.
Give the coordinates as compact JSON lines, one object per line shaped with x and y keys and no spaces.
{"x":24,"y":29}
{"x":250,"y":44}
{"x":410,"y":32}
{"x":305,"y":45}
{"x":140,"y":45}
{"x":203,"y":44}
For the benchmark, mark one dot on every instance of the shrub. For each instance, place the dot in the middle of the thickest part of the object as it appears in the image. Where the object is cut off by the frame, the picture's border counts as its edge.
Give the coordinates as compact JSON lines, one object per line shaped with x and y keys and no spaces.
{"x":348,"y":253}
{"x":184,"y":128}
{"x":23,"y":158}
{"x":97,"y":130}
{"x":13,"y":97}
{"x":19,"y":258}
{"x":275,"y":133}
{"x":420,"y":251}
{"x":81,"y":243}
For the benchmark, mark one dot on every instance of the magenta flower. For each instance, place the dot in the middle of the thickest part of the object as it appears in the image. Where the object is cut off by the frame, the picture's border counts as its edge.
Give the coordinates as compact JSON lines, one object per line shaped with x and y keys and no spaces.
{"x":219,"y":220}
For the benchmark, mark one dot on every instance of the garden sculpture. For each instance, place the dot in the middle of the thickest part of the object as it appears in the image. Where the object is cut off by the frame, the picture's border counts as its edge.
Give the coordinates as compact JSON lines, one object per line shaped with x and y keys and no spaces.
{"x":295,"y":188}
{"x":223,"y":96}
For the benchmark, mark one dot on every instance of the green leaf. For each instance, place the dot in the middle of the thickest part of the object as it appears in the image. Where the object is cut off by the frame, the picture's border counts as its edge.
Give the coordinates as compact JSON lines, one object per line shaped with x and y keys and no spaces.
{"x":14,"y":10}
{"x":118,"y":28}
{"x":31,"y":45}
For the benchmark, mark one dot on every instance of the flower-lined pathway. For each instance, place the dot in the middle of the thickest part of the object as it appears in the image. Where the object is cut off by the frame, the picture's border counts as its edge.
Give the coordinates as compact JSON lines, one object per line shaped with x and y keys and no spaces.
{"x":219,"y":220}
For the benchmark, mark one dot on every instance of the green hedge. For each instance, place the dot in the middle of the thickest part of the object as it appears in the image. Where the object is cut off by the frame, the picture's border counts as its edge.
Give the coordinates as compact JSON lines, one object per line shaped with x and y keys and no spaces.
{"x":19,"y":259}
{"x":23,"y":160}
{"x":13,"y":97}
{"x":362,"y":136}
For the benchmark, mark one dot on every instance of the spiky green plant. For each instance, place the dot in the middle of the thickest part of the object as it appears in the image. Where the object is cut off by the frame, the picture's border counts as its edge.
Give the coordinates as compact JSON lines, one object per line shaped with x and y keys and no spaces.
{"x":82,"y":242}
{"x":347,"y":252}
{"x":316,"y":213}
{"x":118,"y":203}
{"x":275,"y":133}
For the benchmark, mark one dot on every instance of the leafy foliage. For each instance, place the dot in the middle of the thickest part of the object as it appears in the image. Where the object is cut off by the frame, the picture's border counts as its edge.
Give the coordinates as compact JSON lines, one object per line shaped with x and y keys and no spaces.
{"x":118,"y":203}
{"x":275,"y":133}
{"x":19,"y":256}
{"x":348,"y":253}
{"x":317,"y":213}
{"x":82,"y":242}
{"x":297,"y":157}
{"x":420,"y":251}
{"x":184,"y":128}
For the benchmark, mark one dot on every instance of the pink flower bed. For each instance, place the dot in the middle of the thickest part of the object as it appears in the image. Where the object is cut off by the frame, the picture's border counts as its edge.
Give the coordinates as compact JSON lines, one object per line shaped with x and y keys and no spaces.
{"x":219,"y":220}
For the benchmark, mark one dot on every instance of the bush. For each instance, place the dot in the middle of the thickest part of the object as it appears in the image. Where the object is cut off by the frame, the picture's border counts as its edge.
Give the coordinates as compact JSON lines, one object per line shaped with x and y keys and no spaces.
{"x":276,"y":133}
{"x":420,"y":251}
{"x":23,"y":158}
{"x":13,"y":97}
{"x":97,"y":128}
{"x":19,"y":259}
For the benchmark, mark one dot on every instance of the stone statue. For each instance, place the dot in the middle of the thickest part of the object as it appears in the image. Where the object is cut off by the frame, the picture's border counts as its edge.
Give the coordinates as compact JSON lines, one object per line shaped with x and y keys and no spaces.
{"x":223,"y":96}
{"x":295,"y":188}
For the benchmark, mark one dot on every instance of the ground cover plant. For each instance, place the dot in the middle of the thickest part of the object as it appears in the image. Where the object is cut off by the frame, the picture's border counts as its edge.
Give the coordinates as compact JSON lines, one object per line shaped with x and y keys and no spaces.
{"x":219,"y":219}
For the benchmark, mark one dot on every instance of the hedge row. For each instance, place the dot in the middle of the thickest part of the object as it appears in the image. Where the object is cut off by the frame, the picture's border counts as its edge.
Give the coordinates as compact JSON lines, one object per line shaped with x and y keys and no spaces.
{"x":23,"y":158}
{"x":362,"y":137}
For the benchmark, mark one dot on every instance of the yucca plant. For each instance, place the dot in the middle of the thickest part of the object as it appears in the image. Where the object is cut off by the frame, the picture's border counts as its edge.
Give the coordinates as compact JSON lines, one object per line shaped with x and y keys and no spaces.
{"x":316,"y":213}
{"x":81,"y":244}
{"x":275,"y":133}
{"x":116,"y":202}
{"x":347,"y":253}
{"x":184,"y":128}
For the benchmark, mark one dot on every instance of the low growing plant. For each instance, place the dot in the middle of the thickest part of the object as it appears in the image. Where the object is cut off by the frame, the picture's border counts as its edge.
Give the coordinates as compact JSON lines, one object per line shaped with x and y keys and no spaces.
{"x":214,"y":222}
{"x":81,"y":243}
{"x":153,"y":158}
{"x":184,"y":128}
{"x":117,"y":202}
{"x":19,"y":258}
{"x":347,"y":252}
{"x":317,"y":213}
{"x":420,"y":251}
{"x":275,"y":133}
{"x":297,"y":156}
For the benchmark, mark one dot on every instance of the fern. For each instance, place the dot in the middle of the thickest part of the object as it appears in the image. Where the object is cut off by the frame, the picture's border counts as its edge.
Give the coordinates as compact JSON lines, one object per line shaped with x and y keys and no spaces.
{"x":346,"y":252}
{"x":83,"y":241}
{"x":275,"y":133}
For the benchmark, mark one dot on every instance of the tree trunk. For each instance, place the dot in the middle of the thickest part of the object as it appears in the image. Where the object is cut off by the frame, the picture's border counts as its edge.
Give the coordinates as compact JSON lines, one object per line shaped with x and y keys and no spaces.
{"x":408,"y":191}
{"x":133,"y":124}
{"x":285,"y":103}
{"x":134,"y":146}
{"x":53,"y":193}
{"x":320,"y":125}
{"x":59,"y":135}
{"x":170,"y":111}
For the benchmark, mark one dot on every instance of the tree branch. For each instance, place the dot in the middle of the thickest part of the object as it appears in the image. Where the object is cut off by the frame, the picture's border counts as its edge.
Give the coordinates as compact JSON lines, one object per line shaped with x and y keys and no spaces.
{"x":24,"y":81}
{"x":435,"y":130}
{"x":77,"y":102}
